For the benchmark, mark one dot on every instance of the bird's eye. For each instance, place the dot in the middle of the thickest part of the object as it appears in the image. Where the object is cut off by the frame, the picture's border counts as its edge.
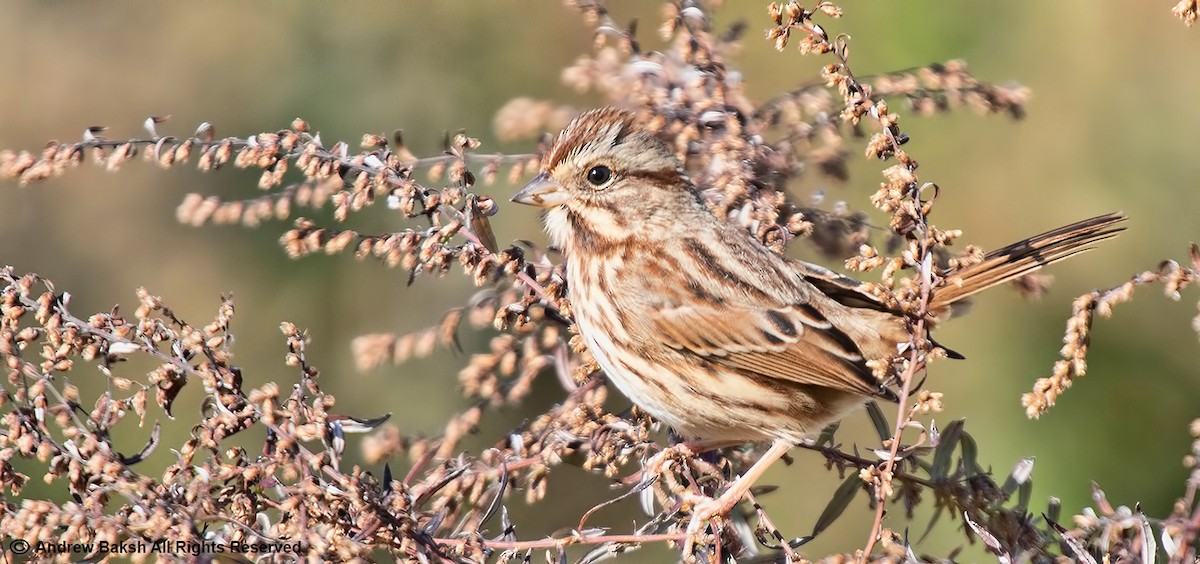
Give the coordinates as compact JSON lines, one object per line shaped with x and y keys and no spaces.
{"x":599,"y":175}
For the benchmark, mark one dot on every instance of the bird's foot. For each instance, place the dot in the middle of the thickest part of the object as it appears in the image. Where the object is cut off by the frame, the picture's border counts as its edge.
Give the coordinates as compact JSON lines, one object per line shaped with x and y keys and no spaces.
{"x":705,"y":509}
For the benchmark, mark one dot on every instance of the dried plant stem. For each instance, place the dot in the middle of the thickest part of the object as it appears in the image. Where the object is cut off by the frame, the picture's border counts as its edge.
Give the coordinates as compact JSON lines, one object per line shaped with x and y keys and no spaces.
{"x":916,"y":362}
{"x":907,"y":378}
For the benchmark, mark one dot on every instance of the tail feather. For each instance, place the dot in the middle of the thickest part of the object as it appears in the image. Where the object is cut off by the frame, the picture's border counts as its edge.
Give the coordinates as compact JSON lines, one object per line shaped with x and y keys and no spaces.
{"x":1024,"y":257}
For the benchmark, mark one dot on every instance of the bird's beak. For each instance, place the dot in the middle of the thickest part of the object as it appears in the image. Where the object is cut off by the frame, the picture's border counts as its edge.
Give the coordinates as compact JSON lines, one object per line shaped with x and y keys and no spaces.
{"x":542,"y":192}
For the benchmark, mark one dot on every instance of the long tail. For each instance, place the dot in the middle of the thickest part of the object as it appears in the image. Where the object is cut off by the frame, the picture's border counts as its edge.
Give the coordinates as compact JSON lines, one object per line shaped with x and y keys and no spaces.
{"x":1024,"y":257}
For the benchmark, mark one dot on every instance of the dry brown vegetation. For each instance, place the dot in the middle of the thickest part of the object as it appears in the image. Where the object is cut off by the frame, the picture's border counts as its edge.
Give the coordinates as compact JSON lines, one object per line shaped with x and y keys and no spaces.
{"x":450,"y":504}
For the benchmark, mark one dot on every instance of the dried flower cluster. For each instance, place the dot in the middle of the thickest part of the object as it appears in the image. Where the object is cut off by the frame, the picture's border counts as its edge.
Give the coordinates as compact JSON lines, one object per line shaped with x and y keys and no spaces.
{"x":1188,"y":11}
{"x":1174,"y":278}
{"x":452,"y":505}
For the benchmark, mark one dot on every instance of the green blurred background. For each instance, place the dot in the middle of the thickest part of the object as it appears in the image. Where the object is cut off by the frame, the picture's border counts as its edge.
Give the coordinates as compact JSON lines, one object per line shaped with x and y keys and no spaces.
{"x":1112,"y":126}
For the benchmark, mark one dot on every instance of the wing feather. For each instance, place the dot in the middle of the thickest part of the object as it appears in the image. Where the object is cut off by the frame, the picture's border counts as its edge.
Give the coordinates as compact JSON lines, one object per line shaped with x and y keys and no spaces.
{"x":794,"y":343}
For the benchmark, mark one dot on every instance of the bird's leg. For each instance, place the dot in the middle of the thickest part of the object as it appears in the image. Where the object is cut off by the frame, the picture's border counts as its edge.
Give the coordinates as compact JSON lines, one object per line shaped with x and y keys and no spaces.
{"x":707,"y":509}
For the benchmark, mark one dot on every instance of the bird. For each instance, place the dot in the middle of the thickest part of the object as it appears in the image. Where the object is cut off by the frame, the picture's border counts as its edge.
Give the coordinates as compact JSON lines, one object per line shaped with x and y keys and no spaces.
{"x":704,"y":327}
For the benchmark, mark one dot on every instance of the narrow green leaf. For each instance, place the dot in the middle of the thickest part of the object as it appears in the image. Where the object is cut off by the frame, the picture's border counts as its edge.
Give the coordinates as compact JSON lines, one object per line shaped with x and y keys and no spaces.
{"x":1054,"y":509}
{"x":970,"y":454}
{"x":932,"y":521}
{"x":1024,"y":494}
{"x":841,"y":500}
{"x":943,"y":454}
{"x":880,"y":421}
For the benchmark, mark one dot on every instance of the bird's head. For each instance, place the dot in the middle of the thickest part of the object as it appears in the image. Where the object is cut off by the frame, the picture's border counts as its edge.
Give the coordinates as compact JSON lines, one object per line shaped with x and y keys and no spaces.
{"x":604,"y":174}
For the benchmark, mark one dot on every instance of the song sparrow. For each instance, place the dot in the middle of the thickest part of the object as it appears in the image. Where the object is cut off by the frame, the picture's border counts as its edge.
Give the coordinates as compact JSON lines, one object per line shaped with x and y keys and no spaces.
{"x":704,"y":327}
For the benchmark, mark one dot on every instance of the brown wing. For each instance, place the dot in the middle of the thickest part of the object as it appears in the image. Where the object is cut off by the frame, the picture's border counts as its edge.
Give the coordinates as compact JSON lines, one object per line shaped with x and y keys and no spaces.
{"x":843,"y":289}
{"x":794,"y":343}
